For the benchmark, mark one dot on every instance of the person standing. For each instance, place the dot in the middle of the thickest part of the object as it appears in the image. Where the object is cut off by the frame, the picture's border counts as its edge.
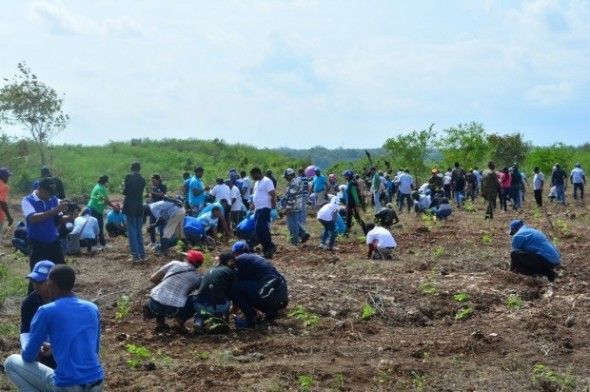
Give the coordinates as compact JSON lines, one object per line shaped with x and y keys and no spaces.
{"x":237,"y":205}
{"x":506,"y":180}
{"x":490,"y":188}
{"x":59,"y":185}
{"x":458,"y":180}
{"x":516,"y":188}
{"x":263,"y":202}
{"x":246,"y":189}
{"x":43,"y":213}
{"x":558,"y":179}
{"x":133,"y":188}
{"x":99,"y":199}
{"x":293,"y":207}
{"x":319,"y":186}
{"x":538,"y":182}
{"x":578,"y":178}
{"x":196,"y":197}
{"x":406,"y":184}
{"x":305,"y":195}
{"x":375,"y":188}
{"x":72,"y":325}
{"x":4,"y":192}
{"x":353,"y":202}
{"x":157,"y":193}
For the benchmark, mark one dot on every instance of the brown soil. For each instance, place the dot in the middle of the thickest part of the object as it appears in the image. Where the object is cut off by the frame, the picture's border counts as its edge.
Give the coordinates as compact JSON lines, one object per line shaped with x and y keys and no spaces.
{"x":414,"y":342}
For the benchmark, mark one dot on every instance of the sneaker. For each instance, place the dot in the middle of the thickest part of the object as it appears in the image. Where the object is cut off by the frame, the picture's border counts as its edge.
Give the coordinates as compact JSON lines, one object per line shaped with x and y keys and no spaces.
{"x":305,"y":238}
{"x":323,"y":246}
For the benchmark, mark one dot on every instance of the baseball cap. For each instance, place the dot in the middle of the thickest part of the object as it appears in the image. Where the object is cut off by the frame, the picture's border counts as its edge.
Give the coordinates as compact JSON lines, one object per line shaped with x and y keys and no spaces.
{"x":4,"y":172}
{"x":515,"y":225}
{"x":289,"y":172}
{"x":194,"y":257}
{"x":41,"y":271}
{"x":240,"y":247}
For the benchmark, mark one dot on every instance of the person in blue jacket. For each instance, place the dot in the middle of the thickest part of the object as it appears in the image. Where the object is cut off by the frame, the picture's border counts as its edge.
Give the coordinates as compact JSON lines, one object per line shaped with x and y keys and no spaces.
{"x":260,"y":286}
{"x":532,"y":252}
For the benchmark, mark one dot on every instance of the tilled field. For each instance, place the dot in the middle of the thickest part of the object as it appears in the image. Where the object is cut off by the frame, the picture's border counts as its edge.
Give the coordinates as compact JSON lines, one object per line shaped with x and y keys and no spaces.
{"x":445,"y":315}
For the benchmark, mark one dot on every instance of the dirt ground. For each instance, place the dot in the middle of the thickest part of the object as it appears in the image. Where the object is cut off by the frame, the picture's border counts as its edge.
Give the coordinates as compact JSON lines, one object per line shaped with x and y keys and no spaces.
{"x":509,"y":333}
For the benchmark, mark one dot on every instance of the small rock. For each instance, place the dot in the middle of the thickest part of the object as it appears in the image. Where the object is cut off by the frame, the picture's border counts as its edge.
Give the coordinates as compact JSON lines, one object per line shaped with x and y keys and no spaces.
{"x":478,"y":335}
{"x":122,"y":337}
{"x":149,"y":366}
{"x":333,"y":313}
{"x":568,"y":345}
{"x":570,"y":321}
{"x":385,"y":364}
{"x":340,"y":324}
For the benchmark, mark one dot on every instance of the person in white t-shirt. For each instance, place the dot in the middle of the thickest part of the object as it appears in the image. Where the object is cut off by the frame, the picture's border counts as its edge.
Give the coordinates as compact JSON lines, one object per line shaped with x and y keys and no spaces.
{"x":237,"y":205}
{"x":578,"y":180}
{"x":380,"y":242}
{"x":263,"y":201}
{"x":86,"y":226}
{"x":406,"y":184}
{"x":327,"y":216}
{"x":222,"y":193}
{"x":246,"y":189}
{"x":538,"y":182}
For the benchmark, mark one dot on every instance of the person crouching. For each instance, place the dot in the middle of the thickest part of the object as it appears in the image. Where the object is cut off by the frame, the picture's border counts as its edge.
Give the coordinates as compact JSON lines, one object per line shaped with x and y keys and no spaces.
{"x":169,"y":298}
{"x":532,"y":252}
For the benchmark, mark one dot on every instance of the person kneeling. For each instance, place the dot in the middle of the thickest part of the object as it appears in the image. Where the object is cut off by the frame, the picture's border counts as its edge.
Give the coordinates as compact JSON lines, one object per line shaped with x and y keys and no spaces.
{"x":212,"y":301}
{"x":261,"y":287}
{"x":169,"y":299}
{"x":532,"y":252}
{"x":380,"y":242}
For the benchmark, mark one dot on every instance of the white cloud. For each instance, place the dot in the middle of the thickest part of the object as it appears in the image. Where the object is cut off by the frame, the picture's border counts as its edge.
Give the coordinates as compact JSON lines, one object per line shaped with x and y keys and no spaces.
{"x":64,"y":21}
{"x":549,"y":94}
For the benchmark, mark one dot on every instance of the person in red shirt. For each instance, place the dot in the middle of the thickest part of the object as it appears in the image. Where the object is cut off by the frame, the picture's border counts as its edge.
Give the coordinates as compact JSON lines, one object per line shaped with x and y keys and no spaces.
{"x":505,"y":180}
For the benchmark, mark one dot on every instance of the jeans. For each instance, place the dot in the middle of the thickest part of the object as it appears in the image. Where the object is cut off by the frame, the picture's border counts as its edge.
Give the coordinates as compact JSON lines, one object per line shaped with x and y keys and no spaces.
{"x":249,"y":299}
{"x":516,"y":196}
{"x":100,"y":218}
{"x":295,"y":228}
{"x":35,"y":377}
{"x":329,"y":235}
{"x":262,"y":225}
{"x":88,"y":243}
{"x":162,"y":312}
{"x":560,"y":189}
{"x":377,"y":201}
{"x":580,"y":186}
{"x":135,"y":236}
{"x":220,"y":311}
{"x":459,"y":197}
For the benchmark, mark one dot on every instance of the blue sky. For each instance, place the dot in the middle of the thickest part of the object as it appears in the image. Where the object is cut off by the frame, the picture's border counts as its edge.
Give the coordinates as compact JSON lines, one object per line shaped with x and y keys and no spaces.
{"x":302,"y":73}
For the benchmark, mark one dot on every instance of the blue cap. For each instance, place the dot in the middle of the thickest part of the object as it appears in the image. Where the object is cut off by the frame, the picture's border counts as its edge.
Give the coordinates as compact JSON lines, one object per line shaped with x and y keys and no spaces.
{"x":41,"y":271}
{"x":240,"y":247}
{"x":515,"y":225}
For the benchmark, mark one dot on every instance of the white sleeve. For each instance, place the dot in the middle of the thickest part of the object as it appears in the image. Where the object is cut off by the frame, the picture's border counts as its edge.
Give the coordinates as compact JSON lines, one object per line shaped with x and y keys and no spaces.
{"x":27,"y":208}
{"x":24,"y":339}
{"x":77,"y":226}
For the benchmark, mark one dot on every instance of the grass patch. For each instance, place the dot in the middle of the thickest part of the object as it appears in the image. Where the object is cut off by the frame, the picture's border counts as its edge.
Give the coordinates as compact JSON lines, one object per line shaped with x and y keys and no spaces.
{"x":438,"y":252}
{"x":487,"y":239}
{"x":310,"y":320}
{"x":464,"y":313}
{"x":337,"y":383}
{"x":123,"y":307}
{"x":428,"y":287}
{"x":305,"y":382}
{"x":139,"y":354}
{"x":9,"y":330}
{"x":514,"y":302}
{"x":461,"y":297}
{"x":469,"y":206}
{"x":12,"y":284}
{"x":547,"y":379}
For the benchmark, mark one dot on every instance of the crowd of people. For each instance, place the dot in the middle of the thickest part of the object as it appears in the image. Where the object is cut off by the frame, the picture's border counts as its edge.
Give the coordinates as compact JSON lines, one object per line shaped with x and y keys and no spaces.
{"x":60,"y":333}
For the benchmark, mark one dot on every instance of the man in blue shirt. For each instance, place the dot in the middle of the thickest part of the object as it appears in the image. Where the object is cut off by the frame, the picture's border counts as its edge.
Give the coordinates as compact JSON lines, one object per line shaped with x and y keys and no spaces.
{"x":73,"y":328}
{"x":532,"y":252}
{"x":43,"y":212}
{"x":261,"y":287}
{"x":196,"y":195}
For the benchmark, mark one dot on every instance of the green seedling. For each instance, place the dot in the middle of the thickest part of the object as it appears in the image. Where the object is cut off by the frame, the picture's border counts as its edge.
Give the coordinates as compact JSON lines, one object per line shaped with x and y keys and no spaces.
{"x":305,"y":382}
{"x":310,"y":320}
{"x":367,"y":312}
{"x":469,"y":206}
{"x":546,"y":379}
{"x":464,"y":313}
{"x":428,"y":287}
{"x":487,"y":239}
{"x":139,"y":354}
{"x":123,"y":307}
{"x":514,"y":302}
{"x":418,"y":382}
{"x":203,"y":355}
{"x":438,"y":252}
{"x":337,"y":382}
{"x":563,"y":228}
{"x":461,"y":297}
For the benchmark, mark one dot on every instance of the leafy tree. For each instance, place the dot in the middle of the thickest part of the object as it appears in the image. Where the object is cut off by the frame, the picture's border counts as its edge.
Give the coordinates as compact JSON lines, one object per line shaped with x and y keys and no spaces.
{"x":466,"y":144}
{"x":411,"y":149}
{"x":27,"y":102}
{"x":546,"y":157}
{"x":507,"y":149}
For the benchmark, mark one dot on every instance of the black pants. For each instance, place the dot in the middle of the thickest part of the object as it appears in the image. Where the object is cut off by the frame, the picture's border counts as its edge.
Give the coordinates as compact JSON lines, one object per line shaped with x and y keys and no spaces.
{"x":491,"y":199}
{"x":539,"y":197}
{"x":531,"y":264}
{"x":579,"y":186}
{"x":45,"y":251}
{"x":262,"y":225}
{"x":88,"y":243}
{"x":100,"y":218}
{"x":352,"y":211}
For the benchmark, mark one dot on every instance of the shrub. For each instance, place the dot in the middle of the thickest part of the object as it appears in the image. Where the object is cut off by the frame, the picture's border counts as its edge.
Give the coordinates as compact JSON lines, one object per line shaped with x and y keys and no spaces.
{"x":464,"y":313}
{"x":514,"y":302}
{"x":310,"y":320}
{"x":547,"y":379}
